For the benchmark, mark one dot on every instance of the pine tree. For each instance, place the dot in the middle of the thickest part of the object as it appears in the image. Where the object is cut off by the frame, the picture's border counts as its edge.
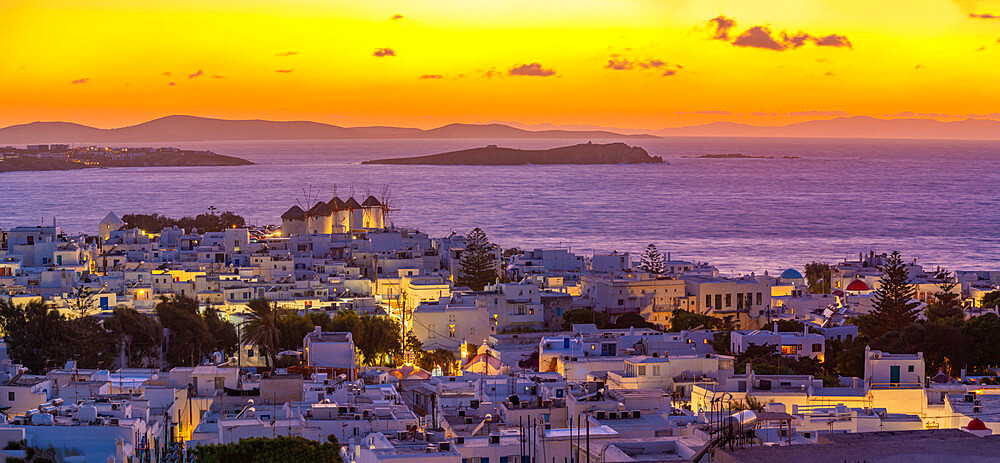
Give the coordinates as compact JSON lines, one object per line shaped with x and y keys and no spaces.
{"x":652,"y":260}
{"x":478,"y":267}
{"x":946,"y":304}
{"x":893,"y":307}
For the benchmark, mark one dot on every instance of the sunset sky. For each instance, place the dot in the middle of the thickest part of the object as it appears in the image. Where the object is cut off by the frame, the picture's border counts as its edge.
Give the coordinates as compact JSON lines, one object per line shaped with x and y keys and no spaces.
{"x":626,"y":63}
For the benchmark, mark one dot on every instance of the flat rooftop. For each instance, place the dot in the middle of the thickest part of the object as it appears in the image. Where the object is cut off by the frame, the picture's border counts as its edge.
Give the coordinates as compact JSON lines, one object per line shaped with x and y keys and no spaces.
{"x":943,"y":445}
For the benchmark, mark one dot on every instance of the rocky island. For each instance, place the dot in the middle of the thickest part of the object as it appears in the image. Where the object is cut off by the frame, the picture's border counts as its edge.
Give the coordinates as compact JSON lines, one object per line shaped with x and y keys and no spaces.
{"x":493,"y":155}
{"x":62,"y":157}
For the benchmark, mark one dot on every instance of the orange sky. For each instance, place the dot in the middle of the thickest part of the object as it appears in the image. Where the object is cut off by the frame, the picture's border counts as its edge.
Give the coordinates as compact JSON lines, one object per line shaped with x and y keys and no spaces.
{"x":626,"y":63}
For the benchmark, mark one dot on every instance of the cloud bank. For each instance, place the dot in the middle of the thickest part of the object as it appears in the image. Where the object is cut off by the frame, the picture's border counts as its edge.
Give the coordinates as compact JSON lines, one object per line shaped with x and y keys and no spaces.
{"x":763,"y":37}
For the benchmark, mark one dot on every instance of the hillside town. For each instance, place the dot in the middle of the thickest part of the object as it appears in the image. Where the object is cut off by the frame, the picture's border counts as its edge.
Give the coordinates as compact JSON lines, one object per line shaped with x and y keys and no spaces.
{"x":152,"y":339}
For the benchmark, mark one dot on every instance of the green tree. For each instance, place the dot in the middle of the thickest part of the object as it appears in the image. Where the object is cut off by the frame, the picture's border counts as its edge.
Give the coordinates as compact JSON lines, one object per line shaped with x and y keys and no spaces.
{"x":893,"y":306}
{"x":443,"y":357}
{"x":261,"y":327}
{"x":982,"y":332}
{"x":380,"y":340}
{"x":223,"y":332}
{"x":630,"y":320}
{"x":478,"y":267}
{"x":140,"y":334}
{"x":818,"y":277}
{"x":188,"y":339}
{"x":582,"y":316}
{"x":652,"y":260}
{"x":946,"y":304}
{"x":681,"y":320}
{"x":267,"y":450}
{"x":991,"y":300}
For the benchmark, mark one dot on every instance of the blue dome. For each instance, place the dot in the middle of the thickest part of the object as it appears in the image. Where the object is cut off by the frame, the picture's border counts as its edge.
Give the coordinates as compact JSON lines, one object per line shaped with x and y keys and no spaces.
{"x":791,"y":274}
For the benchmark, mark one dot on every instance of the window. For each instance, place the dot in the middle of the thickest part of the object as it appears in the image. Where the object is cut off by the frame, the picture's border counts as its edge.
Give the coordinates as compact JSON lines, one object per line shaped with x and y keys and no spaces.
{"x":621,"y":301}
{"x":817,"y":348}
{"x":451,"y":331}
{"x":656,"y":370}
{"x":749,"y":300}
{"x":718,"y":301}
{"x":729,"y":300}
{"x":708,"y":300}
{"x":759,"y":302}
{"x":220,"y":382}
{"x":10,"y":396}
{"x":642,"y":370}
{"x":739,"y":301}
{"x":909,"y":369}
{"x":790,"y":349}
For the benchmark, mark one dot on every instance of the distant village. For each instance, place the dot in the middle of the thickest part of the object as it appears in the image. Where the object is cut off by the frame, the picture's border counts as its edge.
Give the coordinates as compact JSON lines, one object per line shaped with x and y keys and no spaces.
{"x":381,"y":343}
{"x":66,"y":157}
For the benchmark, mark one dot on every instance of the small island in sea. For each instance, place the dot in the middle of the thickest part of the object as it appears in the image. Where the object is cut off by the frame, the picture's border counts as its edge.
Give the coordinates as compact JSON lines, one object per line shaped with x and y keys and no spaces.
{"x":737,"y":156}
{"x":63,"y":157}
{"x":493,"y":155}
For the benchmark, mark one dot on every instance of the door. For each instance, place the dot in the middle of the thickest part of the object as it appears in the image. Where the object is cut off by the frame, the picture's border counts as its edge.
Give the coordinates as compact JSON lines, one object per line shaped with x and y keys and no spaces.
{"x":894,"y":374}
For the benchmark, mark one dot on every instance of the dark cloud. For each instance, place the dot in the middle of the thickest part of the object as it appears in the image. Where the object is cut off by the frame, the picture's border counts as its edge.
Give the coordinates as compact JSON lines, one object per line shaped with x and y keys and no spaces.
{"x":758,"y":37}
{"x":653,"y":63}
{"x":532,"y":69}
{"x":763,"y":37}
{"x":431,"y":76}
{"x":669,"y":72}
{"x":287,"y":53}
{"x":381,"y":52}
{"x":832,"y":40}
{"x":984,"y":16}
{"x":396,"y":17}
{"x":81,"y":81}
{"x":171,"y":83}
{"x":619,"y":64}
{"x":196,"y":75}
{"x":919,"y":66}
{"x":722,"y":26}
{"x":284,"y":71}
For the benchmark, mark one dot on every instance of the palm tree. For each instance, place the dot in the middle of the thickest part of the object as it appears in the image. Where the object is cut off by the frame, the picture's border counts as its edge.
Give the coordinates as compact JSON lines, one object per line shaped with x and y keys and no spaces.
{"x":261,"y":327}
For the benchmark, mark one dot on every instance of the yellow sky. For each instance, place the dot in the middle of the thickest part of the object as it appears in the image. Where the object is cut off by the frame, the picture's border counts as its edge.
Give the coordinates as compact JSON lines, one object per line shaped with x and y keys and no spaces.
{"x":135,"y":60}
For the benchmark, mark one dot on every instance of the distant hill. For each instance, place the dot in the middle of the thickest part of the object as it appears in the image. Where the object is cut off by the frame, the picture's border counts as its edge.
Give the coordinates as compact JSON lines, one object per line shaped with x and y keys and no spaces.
{"x":850,"y":127}
{"x":587,"y":153}
{"x":191,"y":128}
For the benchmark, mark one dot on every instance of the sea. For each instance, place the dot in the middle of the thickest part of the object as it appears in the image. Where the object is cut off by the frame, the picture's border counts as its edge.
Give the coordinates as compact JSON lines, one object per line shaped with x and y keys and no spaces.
{"x":825,"y":200}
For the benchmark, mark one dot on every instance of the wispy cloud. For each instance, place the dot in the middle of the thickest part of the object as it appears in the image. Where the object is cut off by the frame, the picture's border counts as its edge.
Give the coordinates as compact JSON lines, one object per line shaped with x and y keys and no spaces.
{"x":984,"y":16}
{"x":286,"y":53}
{"x":196,"y":75}
{"x":165,"y":73}
{"x":761,"y":36}
{"x":171,"y":83}
{"x":217,"y":76}
{"x":620,"y":64}
{"x":284,"y":71}
{"x":532,"y":69}
{"x":396,"y":17}
{"x":81,"y":81}
{"x":431,"y":76}
{"x":623,"y":64}
{"x":382,"y":52}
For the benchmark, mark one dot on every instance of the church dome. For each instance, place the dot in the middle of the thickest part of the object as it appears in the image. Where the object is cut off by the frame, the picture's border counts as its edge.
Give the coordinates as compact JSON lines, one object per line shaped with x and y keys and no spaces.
{"x":791,"y":274}
{"x":858,"y":285}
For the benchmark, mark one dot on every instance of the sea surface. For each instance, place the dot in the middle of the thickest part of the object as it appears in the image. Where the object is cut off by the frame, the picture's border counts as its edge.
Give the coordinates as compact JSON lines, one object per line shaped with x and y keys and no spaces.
{"x":937,"y":201}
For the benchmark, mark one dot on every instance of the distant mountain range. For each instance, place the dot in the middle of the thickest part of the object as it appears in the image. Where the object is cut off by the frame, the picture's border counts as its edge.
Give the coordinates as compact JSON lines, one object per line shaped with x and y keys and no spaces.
{"x":191,"y":128}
